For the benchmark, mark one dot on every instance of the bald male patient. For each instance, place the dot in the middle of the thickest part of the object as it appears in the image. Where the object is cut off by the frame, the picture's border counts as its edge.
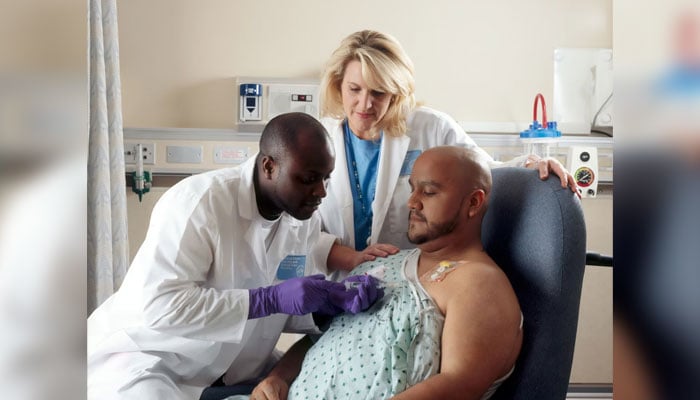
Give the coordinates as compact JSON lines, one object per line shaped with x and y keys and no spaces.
{"x":449,"y":325}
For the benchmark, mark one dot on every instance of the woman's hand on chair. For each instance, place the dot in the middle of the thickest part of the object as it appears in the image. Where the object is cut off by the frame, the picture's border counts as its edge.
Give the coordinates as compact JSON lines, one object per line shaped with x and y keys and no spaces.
{"x":550,"y":164}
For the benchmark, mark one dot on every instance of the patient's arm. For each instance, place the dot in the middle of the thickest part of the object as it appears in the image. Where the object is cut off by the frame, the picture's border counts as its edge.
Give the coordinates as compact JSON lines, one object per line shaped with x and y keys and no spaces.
{"x":276,"y":385}
{"x":344,"y":258}
{"x":481,"y":337}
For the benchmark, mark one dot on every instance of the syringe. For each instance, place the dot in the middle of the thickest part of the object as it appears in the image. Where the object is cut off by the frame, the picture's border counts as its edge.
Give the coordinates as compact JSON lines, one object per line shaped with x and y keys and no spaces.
{"x":380,"y":284}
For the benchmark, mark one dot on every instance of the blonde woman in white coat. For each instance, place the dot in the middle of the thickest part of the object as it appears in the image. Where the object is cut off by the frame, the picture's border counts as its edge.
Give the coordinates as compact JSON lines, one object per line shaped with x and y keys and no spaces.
{"x":367,"y":96}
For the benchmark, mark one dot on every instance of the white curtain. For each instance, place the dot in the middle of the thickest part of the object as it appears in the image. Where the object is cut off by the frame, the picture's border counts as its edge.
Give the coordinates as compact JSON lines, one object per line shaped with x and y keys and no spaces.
{"x":108,"y":246}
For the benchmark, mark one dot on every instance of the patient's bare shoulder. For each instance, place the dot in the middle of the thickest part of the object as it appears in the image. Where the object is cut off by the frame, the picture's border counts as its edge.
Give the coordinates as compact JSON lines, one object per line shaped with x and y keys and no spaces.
{"x":482,"y":328}
{"x":476,"y":284}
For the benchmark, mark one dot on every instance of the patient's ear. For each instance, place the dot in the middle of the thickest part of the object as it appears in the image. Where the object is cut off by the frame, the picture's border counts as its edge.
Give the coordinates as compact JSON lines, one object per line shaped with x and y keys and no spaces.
{"x":476,"y":202}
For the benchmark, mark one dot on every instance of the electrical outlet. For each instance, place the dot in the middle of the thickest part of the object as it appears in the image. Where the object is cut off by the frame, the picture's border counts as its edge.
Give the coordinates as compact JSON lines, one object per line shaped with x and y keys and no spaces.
{"x":148,"y":150}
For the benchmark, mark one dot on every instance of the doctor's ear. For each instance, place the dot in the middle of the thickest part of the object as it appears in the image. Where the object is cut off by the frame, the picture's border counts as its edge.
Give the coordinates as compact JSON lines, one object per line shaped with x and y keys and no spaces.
{"x":268,"y":166}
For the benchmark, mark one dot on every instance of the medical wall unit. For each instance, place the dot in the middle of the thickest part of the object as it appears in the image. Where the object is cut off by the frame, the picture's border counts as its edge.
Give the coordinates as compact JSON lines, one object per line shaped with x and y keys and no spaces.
{"x":261,"y":99}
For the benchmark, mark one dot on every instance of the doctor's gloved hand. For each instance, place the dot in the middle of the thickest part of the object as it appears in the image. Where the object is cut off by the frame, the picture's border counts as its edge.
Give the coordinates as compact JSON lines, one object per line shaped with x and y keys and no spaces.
{"x":357,"y":294}
{"x":296,"y":296}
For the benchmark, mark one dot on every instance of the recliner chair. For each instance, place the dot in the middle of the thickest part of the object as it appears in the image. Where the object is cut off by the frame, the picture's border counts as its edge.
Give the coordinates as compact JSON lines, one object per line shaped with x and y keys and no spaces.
{"x":535,"y":232}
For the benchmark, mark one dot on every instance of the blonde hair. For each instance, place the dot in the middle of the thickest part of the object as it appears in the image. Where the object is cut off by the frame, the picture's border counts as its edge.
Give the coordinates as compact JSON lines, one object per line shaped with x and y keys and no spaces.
{"x":385,"y":68}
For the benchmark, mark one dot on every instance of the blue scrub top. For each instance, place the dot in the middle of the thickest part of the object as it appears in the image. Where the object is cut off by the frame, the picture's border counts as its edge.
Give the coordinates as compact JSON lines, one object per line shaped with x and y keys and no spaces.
{"x":362,"y":162}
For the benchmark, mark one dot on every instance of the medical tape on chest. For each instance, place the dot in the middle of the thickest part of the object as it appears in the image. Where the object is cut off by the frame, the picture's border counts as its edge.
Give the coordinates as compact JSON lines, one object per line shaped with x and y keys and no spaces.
{"x":440,"y":271}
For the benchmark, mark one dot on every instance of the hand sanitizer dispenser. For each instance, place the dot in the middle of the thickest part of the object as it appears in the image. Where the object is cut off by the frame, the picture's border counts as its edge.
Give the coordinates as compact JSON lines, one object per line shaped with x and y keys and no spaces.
{"x":250,"y":102}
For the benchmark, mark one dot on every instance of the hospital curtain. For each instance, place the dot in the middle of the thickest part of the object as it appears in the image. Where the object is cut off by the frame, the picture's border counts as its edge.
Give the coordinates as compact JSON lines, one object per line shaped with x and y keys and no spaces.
{"x":108,"y":246}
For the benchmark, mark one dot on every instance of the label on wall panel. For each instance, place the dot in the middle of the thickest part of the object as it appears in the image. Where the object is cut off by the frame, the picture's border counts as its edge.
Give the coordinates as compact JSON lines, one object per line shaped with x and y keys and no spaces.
{"x":184,"y":154}
{"x":226,"y":154}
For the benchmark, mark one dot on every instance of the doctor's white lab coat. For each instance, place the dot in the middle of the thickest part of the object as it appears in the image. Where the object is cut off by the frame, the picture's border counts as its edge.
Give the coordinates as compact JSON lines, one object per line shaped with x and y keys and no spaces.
{"x":426,"y":128}
{"x":179,"y":320}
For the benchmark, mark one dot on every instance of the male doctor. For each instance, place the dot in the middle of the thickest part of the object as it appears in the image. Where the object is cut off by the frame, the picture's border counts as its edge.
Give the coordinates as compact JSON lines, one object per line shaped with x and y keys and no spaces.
{"x":231,"y":259}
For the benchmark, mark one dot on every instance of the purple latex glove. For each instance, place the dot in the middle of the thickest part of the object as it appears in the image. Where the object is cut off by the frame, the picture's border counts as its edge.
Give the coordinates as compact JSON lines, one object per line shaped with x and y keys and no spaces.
{"x":296,"y":296}
{"x":361,"y":296}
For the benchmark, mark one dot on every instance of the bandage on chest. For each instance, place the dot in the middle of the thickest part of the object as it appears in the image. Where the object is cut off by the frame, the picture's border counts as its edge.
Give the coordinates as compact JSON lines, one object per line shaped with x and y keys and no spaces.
{"x":438,"y":273}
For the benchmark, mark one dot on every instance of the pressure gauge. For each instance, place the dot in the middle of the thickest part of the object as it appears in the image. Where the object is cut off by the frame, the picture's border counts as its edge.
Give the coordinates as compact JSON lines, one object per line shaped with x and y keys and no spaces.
{"x":583,"y":162}
{"x":584,"y":176}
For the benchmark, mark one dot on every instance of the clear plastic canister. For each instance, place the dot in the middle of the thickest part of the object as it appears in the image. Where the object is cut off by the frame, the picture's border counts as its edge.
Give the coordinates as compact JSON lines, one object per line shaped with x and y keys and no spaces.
{"x":539,"y":146}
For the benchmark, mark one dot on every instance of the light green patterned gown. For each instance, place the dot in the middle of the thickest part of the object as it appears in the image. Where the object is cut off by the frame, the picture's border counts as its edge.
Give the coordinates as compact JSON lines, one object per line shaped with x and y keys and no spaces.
{"x":381,"y":352}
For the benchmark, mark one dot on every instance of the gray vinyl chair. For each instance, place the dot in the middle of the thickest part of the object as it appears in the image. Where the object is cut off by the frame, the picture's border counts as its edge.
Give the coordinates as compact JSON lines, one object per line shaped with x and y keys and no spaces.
{"x":535,"y":232}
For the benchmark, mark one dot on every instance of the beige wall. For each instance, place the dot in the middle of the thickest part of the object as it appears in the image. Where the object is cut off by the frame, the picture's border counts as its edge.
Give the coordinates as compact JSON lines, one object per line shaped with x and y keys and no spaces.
{"x":477,"y":60}
{"x":43,"y":35}
{"x":593,"y":354}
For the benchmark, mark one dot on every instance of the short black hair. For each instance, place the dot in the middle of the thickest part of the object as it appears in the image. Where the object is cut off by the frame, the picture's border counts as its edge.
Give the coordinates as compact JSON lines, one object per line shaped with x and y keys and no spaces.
{"x":281,"y":135}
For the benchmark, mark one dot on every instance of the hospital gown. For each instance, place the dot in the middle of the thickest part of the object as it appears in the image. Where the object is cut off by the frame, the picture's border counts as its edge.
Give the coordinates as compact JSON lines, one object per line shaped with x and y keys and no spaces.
{"x":381,"y":352}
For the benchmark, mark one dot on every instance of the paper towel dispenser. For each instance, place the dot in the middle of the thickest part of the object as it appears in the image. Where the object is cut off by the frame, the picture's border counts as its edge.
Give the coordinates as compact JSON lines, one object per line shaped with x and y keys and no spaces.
{"x":583,"y":87}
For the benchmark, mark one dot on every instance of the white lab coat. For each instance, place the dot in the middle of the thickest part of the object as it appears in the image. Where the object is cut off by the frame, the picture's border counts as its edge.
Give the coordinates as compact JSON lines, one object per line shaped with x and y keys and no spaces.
{"x":426,"y":128}
{"x":179,"y":320}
